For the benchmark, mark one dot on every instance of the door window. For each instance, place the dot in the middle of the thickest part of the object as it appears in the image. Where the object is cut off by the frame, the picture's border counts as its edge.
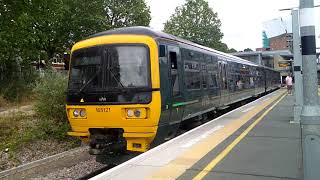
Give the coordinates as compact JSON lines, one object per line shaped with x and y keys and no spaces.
{"x":174,"y":73}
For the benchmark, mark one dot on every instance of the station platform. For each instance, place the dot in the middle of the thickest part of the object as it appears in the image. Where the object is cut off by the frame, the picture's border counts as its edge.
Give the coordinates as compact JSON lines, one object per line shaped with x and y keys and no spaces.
{"x":255,"y":141}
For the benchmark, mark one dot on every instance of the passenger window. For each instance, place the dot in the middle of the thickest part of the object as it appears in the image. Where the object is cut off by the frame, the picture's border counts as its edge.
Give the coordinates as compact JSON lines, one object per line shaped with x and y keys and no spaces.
{"x":162,"y":51}
{"x":192,"y":80}
{"x":192,"y":75}
{"x":212,"y":81}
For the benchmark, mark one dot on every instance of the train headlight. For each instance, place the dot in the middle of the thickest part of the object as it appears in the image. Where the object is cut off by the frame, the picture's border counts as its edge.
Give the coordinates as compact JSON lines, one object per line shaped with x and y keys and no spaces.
{"x":136,"y":113}
{"x":130,"y":112}
{"x":83,"y":113}
{"x":76,"y":113}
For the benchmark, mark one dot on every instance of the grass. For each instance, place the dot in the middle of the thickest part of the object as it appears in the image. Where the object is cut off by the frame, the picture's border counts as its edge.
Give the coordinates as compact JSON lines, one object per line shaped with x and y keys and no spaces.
{"x":26,"y":100}
{"x":22,"y":130}
{"x":15,"y":131}
{"x":19,"y":131}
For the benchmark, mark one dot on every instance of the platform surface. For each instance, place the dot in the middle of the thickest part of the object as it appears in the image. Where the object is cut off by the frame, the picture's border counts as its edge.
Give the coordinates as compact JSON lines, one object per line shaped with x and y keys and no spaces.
{"x":255,"y":141}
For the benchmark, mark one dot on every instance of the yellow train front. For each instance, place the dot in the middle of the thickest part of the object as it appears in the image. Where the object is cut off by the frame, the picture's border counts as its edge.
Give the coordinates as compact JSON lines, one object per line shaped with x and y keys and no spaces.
{"x":113,"y":93}
{"x":132,"y":88}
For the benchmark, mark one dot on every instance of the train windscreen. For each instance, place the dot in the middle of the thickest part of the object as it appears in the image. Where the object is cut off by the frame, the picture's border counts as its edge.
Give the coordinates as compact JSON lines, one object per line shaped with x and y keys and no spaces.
{"x":116,"y":74}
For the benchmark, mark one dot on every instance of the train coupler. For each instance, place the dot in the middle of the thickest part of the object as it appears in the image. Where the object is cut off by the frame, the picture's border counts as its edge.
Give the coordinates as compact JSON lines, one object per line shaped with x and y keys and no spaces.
{"x":106,"y":141}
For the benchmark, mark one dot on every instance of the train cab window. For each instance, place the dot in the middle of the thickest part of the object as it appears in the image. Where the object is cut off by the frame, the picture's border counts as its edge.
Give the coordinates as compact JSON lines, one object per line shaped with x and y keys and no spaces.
{"x":162,"y":51}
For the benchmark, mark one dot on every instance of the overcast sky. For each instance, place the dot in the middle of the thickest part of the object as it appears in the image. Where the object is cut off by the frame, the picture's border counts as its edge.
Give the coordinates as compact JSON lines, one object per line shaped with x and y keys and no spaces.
{"x":242,"y":20}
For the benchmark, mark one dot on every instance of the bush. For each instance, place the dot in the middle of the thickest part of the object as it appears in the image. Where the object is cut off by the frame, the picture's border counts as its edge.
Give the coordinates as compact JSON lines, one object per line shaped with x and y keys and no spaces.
{"x":3,"y":102}
{"x":15,"y":87}
{"x":50,"y":96}
{"x":50,"y":105}
{"x":49,"y":128}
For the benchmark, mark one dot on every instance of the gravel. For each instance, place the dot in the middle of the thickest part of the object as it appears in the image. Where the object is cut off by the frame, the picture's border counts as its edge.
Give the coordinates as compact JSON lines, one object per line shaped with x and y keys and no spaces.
{"x":73,"y":172}
{"x":33,"y":151}
{"x":41,"y":149}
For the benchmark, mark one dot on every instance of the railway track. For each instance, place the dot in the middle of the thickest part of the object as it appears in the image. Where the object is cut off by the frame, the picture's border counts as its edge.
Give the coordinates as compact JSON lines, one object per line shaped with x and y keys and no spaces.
{"x":41,"y":168}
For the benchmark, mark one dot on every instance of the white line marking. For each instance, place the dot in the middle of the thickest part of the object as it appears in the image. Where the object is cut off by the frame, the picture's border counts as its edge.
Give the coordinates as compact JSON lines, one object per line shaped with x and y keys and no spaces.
{"x":265,"y":99}
{"x":248,"y":109}
{"x":105,"y":174}
{"x":203,"y":136}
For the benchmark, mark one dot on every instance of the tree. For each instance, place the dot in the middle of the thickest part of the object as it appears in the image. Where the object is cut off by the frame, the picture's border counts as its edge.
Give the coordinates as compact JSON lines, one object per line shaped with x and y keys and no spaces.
{"x":247,"y":50}
{"x":122,"y":13}
{"x":32,"y":30}
{"x":52,"y":26}
{"x":196,"y":21}
{"x":232,"y":50}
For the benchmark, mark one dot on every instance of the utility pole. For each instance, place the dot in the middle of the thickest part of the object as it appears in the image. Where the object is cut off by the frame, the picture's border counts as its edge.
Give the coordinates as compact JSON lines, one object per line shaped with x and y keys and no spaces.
{"x":310,"y":114}
{"x":297,"y":68}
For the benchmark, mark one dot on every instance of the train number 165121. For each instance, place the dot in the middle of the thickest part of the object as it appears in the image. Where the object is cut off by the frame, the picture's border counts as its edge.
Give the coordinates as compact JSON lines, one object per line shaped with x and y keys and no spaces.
{"x":103,"y":109}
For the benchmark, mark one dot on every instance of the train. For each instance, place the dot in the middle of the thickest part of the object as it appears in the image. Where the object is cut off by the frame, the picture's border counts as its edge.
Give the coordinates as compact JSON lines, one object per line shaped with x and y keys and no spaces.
{"x":132,"y":88}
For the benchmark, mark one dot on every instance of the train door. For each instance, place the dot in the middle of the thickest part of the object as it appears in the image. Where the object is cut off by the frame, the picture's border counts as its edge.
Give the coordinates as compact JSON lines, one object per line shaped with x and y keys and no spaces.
{"x":224,"y":94}
{"x":175,"y":88}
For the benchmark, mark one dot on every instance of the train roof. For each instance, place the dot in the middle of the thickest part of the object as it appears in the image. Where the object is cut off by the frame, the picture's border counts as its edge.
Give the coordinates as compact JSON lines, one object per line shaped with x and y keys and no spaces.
{"x":140,"y":30}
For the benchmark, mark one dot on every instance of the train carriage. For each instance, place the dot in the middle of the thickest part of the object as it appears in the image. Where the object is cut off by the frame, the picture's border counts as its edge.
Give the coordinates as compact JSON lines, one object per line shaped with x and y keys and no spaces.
{"x":132,"y":88}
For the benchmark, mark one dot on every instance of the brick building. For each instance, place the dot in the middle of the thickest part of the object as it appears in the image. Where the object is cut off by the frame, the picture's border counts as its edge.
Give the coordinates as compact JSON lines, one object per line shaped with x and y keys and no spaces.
{"x":280,"y":42}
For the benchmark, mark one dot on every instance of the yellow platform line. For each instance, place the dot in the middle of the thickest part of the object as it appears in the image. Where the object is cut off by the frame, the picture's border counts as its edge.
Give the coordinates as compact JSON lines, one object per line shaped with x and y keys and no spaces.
{"x":179,"y":165}
{"x":226,"y":151}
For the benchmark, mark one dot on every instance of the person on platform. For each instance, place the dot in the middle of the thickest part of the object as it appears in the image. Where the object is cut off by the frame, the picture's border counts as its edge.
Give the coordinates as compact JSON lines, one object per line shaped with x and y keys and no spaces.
{"x":289,"y":83}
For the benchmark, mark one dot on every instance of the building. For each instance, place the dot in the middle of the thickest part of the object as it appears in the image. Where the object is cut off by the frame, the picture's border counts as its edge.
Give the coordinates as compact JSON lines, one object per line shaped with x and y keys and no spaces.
{"x":280,"y":60}
{"x":277,"y":55}
{"x":281,"y":42}
{"x":276,"y":59}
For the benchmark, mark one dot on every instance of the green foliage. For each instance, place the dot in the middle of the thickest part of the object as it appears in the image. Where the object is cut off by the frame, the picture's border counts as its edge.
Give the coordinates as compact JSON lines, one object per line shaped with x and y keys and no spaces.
{"x":50,"y":100}
{"x":32,"y":29}
{"x":18,"y":86}
{"x":8,"y":128}
{"x":123,"y":13}
{"x":19,"y":131}
{"x":232,"y":50}
{"x":16,"y":131}
{"x":247,"y":50}
{"x":50,"y":105}
{"x":50,"y":128}
{"x":196,"y":21}
{"x":44,"y":28}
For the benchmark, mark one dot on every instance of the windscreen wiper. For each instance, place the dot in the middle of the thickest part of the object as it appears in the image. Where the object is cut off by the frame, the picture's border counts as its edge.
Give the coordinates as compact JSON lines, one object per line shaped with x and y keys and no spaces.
{"x":88,"y":82}
{"x":114,"y":77}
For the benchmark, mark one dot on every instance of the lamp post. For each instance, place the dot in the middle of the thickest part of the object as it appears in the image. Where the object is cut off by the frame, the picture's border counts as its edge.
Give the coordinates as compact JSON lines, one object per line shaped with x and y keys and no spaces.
{"x":310,"y":114}
{"x":297,"y":67}
{"x":297,"y":64}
